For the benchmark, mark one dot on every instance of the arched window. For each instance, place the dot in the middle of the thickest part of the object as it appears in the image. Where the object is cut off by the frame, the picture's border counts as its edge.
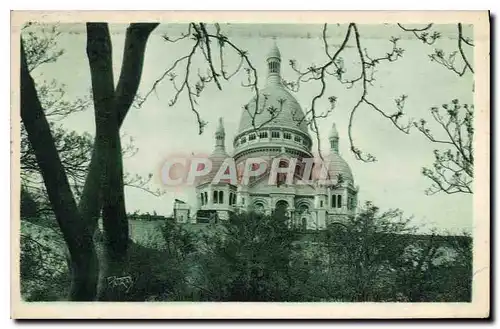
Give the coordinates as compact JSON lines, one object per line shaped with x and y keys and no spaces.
{"x":334,"y":201}
{"x":298,"y":170}
{"x":281,"y":177}
{"x":339,"y":201}
{"x":215,"y":198}
{"x":258,"y":207}
{"x":282,"y":207}
{"x":221,"y":197}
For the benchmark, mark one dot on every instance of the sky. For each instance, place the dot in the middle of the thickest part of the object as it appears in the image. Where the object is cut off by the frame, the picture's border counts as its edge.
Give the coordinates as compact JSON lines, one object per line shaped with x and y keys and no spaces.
{"x":160,"y":130}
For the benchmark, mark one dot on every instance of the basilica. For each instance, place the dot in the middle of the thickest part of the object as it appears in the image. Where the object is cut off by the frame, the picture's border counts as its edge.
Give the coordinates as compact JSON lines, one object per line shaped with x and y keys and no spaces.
{"x":272,"y":126}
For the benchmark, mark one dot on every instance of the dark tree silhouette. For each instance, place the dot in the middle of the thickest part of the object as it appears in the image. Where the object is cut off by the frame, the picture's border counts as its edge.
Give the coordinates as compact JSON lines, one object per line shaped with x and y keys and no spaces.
{"x":104,"y":183}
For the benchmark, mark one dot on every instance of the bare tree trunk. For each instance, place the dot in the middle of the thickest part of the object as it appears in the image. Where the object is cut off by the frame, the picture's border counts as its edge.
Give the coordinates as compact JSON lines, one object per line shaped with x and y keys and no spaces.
{"x":111,"y":108}
{"x":124,"y":95}
{"x":107,"y":152}
{"x":103,"y":188}
{"x":83,"y":260}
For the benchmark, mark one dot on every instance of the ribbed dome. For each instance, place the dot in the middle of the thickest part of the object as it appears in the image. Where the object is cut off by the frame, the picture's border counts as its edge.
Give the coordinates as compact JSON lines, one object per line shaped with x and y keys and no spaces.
{"x":337,"y":165}
{"x":218,"y":156}
{"x":290,"y":114}
{"x":274,"y":102}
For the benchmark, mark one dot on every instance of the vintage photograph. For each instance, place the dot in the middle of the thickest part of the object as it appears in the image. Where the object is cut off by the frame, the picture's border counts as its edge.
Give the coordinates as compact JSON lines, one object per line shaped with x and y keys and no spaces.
{"x":203,"y":161}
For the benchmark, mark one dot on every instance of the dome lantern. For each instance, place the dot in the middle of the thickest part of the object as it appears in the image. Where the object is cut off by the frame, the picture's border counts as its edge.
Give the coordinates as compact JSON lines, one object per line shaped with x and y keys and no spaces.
{"x":274,"y":65}
{"x":334,"y":139}
{"x":220,"y":135}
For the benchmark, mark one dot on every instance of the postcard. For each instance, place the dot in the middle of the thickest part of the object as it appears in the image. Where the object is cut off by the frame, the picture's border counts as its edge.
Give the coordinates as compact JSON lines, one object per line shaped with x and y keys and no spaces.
{"x":250,"y":165}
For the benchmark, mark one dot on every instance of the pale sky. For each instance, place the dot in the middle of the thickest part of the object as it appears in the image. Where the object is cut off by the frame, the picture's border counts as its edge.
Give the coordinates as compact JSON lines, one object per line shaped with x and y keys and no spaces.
{"x":394,"y":181}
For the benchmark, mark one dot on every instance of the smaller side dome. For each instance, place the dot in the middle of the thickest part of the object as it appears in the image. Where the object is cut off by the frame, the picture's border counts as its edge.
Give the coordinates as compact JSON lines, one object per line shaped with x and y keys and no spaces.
{"x":338,"y":166}
{"x":217,"y":158}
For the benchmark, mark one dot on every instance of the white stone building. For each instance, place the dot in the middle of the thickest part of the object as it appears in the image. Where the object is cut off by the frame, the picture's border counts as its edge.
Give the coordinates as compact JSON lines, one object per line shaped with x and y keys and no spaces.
{"x":277,"y":130}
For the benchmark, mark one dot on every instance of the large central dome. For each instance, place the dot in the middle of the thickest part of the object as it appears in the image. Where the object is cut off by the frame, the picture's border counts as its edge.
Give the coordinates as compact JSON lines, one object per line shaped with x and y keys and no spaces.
{"x":277,"y":107}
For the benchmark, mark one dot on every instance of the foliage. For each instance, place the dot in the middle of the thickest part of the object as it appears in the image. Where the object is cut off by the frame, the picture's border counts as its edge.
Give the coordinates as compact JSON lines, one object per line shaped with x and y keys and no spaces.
{"x":43,"y":267}
{"x":249,"y":261}
{"x":365,"y":246}
{"x":385,"y":259}
{"x":41,"y":48}
{"x":41,"y":44}
{"x":374,"y":256}
{"x":157,"y":268}
{"x":29,"y":206}
{"x":436,"y":268}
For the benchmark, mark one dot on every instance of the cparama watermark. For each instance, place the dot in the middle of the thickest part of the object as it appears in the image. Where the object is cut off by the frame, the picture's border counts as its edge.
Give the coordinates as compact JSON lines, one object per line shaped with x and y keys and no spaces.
{"x":189,"y":171}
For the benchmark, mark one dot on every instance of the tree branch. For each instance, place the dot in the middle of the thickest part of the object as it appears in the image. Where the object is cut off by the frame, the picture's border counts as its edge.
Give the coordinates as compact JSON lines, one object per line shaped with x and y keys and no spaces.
{"x":73,"y":227}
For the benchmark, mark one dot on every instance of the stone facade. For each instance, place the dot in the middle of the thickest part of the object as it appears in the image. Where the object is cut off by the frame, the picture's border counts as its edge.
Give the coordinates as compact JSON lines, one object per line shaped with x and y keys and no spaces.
{"x":278,"y":130}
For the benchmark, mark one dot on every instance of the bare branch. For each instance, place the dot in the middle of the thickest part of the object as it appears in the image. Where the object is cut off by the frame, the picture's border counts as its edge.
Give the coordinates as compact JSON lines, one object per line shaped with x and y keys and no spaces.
{"x":365,"y":77}
{"x":460,"y":47}
{"x":422,"y":33}
{"x":453,"y":169}
{"x":141,"y":183}
{"x":439,"y":55}
{"x":199,"y":33}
